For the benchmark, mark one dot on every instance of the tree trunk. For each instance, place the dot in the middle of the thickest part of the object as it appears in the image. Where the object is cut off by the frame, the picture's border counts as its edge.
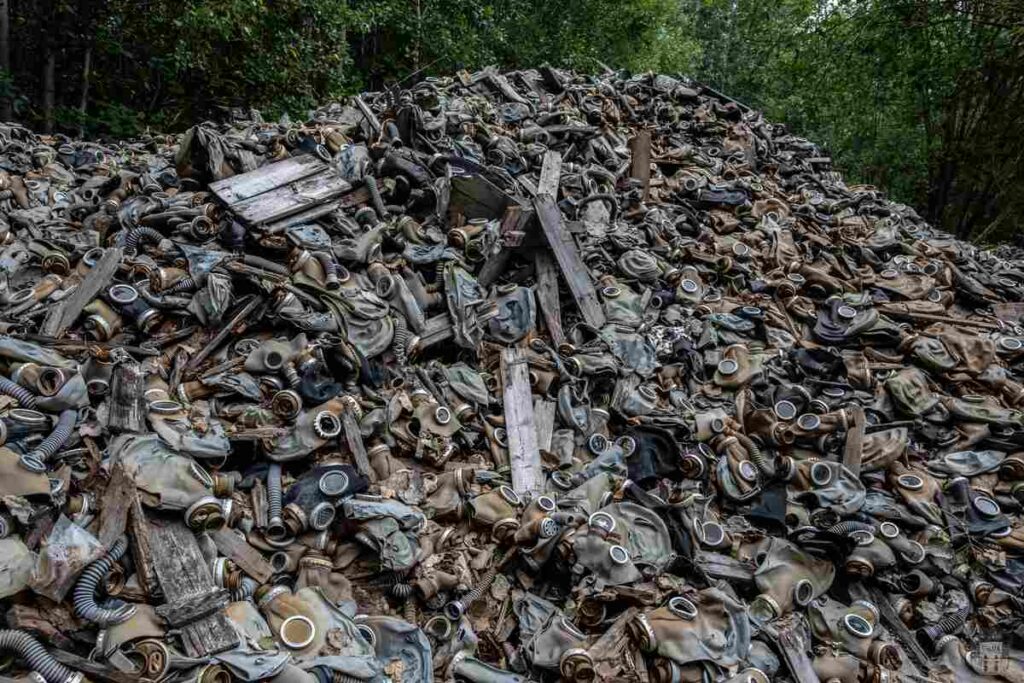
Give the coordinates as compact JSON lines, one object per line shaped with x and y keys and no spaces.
{"x":5,"y":57}
{"x":83,"y":102}
{"x":49,"y":90}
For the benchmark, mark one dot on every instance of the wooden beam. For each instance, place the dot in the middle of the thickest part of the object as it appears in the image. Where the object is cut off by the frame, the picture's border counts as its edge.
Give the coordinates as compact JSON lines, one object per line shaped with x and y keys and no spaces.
{"x":236,"y":188}
{"x":127,"y":399}
{"x":354,"y":439}
{"x":853,"y":449}
{"x":547,"y":294}
{"x":290,"y":199}
{"x":237,"y":549}
{"x":524,"y":456}
{"x":563,"y":244}
{"x":640,"y":161}
{"x":194,"y":607}
{"x":116,"y":504}
{"x":60,"y":318}
{"x":544,"y":417}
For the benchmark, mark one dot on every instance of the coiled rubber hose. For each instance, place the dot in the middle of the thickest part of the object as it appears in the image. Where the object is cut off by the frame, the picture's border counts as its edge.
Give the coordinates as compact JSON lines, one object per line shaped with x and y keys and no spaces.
{"x":36,"y":656}
{"x":378,"y":202}
{"x":952,"y":622}
{"x":274,"y":492}
{"x":186,"y":284}
{"x":849,"y":526}
{"x":137,"y":235}
{"x":84,"y":597}
{"x":330,"y":269}
{"x":400,"y":342}
{"x":291,"y":375}
{"x":57,"y":438}
{"x":19,"y":393}
{"x":456,"y":608}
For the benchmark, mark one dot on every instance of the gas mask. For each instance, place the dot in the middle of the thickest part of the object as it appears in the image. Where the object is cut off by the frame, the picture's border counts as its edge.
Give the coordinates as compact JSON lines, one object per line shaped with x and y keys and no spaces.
{"x":789,"y":578}
{"x":174,"y":481}
{"x":387,"y":527}
{"x":306,"y":624}
{"x":497,"y":510}
{"x":828,"y":485}
{"x":854,"y":630}
{"x":707,"y":626}
{"x":309,"y":502}
{"x":598,"y":550}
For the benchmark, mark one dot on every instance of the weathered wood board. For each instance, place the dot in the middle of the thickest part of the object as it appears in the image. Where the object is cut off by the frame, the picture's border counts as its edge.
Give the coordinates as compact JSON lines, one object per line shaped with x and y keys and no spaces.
{"x":524,"y":456}
{"x":562,"y":243}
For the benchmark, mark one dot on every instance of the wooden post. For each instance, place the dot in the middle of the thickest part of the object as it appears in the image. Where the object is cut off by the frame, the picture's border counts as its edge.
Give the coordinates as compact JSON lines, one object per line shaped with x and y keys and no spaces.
{"x":562,"y":242}
{"x":524,"y":456}
{"x":640,"y":163}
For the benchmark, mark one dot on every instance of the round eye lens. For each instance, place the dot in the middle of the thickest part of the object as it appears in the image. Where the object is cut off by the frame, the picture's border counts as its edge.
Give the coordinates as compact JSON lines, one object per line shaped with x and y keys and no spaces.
{"x":443,"y":415}
{"x":821,"y":474}
{"x":862,"y":537}
{"x":597,"y":444}
{"x":740,"y":249}
{"x":510,"y":495}
{"x":123,"y":294}
{"x":602,"y":520}
{"x":796,"y":278}
{"x":833,"y":392}
{"x":785,"y":410}
{"x":888,"y":530}
{"x":718,"y":425}
{"x":611,"y":292}
{"x":713,"y":533}
{"x":1011,"y":343}
{"x":369,"y":635}
{"x":986,"y":506}
{"x":618,"y":554}
{"x":627,"y":444}
{"x":546,"y":503}
{"x":803,"y":593}
{"x":858,"y":625}
{"x":747,"y":471}
{"x":728,"y":366}
{"x":165,"y":407}
{"x":809,"y":421}
{"x":846,"y":312}
{"x":751,"y":311}
{"x":683,"y":607}
{"x":333,"y":483}
{"x":689,"y":286}
{"x":297,"y":632}
{"x":911,"y":482}
{"x":889,"y":274}
{"x":561,"y":480}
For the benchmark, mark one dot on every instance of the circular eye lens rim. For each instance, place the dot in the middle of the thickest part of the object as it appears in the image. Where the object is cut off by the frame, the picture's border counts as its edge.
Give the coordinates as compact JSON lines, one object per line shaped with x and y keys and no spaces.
{"x":727,"y":367}
{"x":911,"y":482}
{"x":325,"y":483}
{"x":858,"y":625}
{"x":683,"y":607}
{"x":618,"y":554}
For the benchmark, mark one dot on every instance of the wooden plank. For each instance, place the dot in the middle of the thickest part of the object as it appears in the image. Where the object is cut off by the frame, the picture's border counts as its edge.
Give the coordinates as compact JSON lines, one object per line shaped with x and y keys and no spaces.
{"x":141,"y":548}
{"x":250,"y":560}
{"x":354,"y":439}
{"x":794,"y":650}
{"x":473,"y":196}
{"x":236,"y":188}
{"x":550,"y":175}
{"x":854,"y":446}
{"x":524,"y":456}
{"x":563,"y":244}
{"x":360,"y":195}
{"x":60,"y":318}
{"x":640,"y":161}
{"x":547,"y":295}
{"x":127,"y":399}
{"x":544,"y":416}
{"x":291,"y":199}
{"x":195,"y":607}
{"x":893,"y":622}
{"x":117,"y":502}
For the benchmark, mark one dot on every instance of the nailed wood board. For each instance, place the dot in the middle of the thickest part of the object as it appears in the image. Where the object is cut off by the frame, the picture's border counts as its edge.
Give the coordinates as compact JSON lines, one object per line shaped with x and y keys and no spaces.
{"x":236,"y":188}
{"x":60,"y":318}
{"x":524,"y":456}
{"x":293,"y":198}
